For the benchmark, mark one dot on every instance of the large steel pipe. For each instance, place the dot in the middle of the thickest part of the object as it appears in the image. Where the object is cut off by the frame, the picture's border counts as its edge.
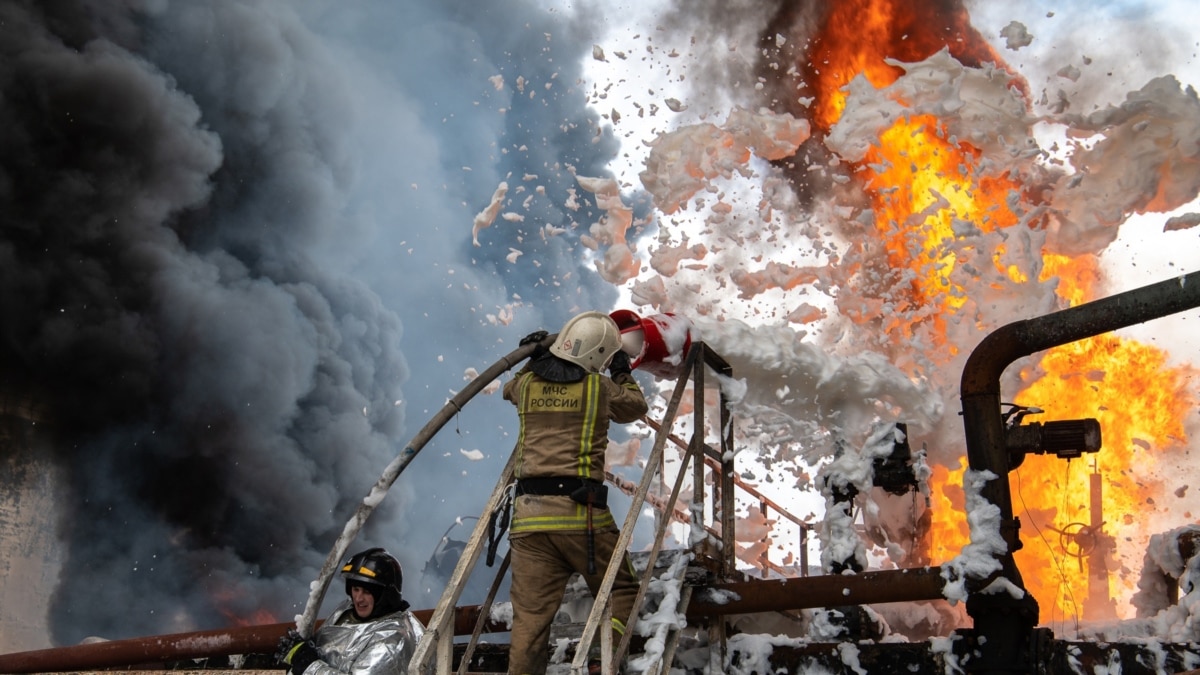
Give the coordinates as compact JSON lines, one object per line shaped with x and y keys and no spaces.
{"x":185,"y":646}
{"x":980,"y":386}
{"x":148,"y":650}
{"x":1004,"y":624}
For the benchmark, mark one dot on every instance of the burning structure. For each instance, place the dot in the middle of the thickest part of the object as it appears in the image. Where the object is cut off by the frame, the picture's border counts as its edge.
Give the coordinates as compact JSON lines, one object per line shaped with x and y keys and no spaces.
{"x":1003,"y":637}
{"x":941,"y":198}
{"x":844,"y":231}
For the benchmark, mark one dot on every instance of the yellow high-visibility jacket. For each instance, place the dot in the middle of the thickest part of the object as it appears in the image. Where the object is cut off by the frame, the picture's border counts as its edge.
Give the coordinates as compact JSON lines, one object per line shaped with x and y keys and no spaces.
{"x":564,"y":432}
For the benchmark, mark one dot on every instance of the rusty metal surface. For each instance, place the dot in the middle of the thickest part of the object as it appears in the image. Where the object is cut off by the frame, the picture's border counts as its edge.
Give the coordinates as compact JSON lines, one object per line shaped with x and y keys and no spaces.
{"x":185,"y":646}
{"x":866,"y":588}
{"x":147,"y":650}
{"x":1061,"y":657}
{"x":1126,"y":658}
{"x":865,"y":658}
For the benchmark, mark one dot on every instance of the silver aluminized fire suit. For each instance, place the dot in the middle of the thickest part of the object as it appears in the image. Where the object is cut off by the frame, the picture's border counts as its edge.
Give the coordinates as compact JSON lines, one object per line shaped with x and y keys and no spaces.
{"x":382,"y":646}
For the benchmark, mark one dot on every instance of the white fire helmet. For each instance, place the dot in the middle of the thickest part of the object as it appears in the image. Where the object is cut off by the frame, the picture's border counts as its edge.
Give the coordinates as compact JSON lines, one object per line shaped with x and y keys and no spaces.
{"x":588,"y":340}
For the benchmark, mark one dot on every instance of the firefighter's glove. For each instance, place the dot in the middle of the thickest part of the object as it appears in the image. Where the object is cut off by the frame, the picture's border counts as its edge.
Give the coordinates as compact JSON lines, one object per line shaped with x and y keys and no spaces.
{"x":536,"y":338}
{"x":296,"y":652}
{"x":619,"y":364}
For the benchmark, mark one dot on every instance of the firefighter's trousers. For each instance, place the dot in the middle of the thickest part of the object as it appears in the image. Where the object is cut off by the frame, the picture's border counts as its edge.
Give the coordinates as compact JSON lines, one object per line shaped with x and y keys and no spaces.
{"x":542,"y":564}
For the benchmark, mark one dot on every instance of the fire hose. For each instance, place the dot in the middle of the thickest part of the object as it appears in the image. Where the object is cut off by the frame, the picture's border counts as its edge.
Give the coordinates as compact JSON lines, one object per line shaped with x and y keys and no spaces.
{"x":306,"y":621}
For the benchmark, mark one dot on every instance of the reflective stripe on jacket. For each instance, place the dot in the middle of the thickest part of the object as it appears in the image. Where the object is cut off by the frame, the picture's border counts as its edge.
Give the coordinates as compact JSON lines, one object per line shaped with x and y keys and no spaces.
{"x":564,"y":432}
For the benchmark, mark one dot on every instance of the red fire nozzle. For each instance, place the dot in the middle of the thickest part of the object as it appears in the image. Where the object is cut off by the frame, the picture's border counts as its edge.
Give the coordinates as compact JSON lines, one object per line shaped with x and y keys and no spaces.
{"x":657,"y":344}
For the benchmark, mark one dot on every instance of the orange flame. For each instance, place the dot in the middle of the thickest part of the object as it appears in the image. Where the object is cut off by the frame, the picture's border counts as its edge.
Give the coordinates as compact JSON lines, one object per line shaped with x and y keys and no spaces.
{"x":227,"y":601}
{"x":918,"y":187}
{"x":1140,"y":402}
{"x":858,"y":35}
{"x":947,"y":534}
{"x":922,"y":170}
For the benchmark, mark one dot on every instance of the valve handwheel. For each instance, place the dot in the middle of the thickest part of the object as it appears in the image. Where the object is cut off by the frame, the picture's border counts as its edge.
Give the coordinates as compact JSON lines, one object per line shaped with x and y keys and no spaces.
{"x":1077,"y":536}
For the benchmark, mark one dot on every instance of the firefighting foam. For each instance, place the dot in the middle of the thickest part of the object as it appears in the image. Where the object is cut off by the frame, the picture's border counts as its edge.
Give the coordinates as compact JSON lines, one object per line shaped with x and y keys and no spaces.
{"x":936,"y":200}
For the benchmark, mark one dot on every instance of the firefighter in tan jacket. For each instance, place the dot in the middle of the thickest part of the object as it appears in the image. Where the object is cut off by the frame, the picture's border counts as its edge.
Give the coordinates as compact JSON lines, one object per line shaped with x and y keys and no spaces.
{"x":561,"y":523}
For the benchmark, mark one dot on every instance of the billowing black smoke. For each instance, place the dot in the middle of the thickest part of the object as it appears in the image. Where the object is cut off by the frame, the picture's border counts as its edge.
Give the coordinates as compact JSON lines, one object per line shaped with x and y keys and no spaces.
{"x":236,"y":274}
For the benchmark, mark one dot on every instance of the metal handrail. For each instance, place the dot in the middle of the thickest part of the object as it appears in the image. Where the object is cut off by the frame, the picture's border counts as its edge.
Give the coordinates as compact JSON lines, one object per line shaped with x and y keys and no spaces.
{"x":600,"y":605}
{"x":764,"y":501}
{"x":439,"y":631}
{"x":438,"y":638}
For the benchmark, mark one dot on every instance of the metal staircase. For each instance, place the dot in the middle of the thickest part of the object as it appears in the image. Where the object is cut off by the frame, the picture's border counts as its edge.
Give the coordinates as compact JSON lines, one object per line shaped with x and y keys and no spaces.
{"x":711,"y":556}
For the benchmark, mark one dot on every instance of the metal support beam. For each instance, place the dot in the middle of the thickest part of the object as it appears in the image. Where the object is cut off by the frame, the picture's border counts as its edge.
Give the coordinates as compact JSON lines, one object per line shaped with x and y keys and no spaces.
{"x":867,"y":588}
{"x":185,"y":646}
{"x":1005,"y":621}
